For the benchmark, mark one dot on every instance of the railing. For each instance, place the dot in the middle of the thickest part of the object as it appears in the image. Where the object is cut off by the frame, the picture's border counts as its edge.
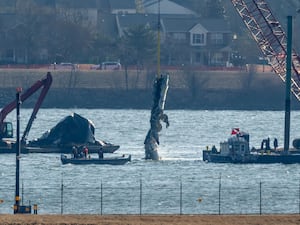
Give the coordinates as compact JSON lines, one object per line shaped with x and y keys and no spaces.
{"x":214,"y":196}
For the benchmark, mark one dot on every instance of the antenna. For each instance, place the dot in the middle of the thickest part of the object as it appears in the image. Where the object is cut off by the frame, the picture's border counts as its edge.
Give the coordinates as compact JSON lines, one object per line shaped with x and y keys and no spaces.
{"x":158,"y":40}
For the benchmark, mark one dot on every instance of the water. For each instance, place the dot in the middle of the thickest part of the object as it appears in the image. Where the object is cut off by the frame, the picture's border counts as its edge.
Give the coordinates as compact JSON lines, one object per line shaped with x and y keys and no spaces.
{"x":180,"y":183}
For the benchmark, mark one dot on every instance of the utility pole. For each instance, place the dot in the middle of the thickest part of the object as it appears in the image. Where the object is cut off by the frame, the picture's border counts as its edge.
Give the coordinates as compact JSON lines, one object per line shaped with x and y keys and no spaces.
{"x":288,"y":85}
{"x":18,"y":208}
{"x":18,"y":148}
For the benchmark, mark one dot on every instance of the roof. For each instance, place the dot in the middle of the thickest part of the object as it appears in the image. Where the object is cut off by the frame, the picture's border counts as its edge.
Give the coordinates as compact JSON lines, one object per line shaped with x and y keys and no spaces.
{"x":179,"y":24}
{"x":166,"y":7}
{"x":215,"y":25}
{"x":7,"y":6}
{"x":133,"y":20}
{"x":185,"y":24}
{"x":77,"y":3}
{"x":122,"y":4}
{"x":107,"y":24}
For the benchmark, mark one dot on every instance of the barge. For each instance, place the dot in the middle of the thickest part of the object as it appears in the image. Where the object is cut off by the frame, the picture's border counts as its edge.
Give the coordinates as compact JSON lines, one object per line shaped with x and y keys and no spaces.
{"x":236,"y":149}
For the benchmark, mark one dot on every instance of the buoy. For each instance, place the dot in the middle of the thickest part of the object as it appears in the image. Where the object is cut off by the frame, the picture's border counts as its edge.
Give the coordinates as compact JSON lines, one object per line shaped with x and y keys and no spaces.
{"x":1,"y":201}
{"x":199,"y":200}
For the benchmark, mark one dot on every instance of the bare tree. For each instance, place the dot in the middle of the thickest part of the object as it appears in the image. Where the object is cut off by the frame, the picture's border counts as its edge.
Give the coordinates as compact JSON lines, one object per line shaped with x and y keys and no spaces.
{"x":137,"y":47}
{"x":195,"y":81}
{"x":27,"y":34}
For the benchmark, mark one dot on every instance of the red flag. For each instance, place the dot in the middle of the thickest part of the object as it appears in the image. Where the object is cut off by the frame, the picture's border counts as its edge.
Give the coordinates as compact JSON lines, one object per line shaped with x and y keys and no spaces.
{"x":235,"y":131}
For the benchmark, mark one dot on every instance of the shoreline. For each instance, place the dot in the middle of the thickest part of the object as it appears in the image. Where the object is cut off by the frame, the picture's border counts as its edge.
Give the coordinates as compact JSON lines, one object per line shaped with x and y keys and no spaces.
{"x":278,"y":219}
{"x":194,"y":90}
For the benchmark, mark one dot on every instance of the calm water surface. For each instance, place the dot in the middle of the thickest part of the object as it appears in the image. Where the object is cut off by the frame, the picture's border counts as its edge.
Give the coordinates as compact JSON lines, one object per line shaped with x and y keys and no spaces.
{"x":173,"y":185}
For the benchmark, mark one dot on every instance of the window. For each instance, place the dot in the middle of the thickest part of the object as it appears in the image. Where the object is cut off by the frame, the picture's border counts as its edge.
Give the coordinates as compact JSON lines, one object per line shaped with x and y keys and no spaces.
{"x":179,"y":36}
{"x":198,"y":39}
{"x":217,"y":38}
{"x":217,"y":59}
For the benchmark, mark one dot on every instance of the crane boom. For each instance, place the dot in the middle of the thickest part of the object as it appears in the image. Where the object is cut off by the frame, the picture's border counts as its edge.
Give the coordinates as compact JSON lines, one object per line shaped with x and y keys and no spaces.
{"x":270,"y":38}
{"x":45,"y":83}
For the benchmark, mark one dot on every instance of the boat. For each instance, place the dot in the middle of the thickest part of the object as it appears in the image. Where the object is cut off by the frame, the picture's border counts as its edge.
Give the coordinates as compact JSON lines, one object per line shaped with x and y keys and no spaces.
{"x":115,"y":160}
{"x":237,"y":150}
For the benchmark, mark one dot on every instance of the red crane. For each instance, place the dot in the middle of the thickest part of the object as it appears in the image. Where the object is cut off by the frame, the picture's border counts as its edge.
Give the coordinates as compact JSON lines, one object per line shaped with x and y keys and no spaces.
{"x":6,"y":127}
{"x":270,"y":38}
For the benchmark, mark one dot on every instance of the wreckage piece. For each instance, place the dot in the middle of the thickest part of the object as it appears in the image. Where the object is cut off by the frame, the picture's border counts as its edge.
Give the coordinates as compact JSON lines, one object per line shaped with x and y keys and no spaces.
{"x":160,"y":89}
{"x":73,"y":130}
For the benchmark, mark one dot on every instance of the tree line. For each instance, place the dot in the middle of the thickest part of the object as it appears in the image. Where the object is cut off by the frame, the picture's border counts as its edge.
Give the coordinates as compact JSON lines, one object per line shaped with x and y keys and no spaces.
{"x":40,"y":34}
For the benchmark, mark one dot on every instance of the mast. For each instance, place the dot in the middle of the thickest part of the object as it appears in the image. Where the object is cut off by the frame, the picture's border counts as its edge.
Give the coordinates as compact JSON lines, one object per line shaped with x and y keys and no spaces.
{"x":158,"y":39}
{"x":288,"y":85}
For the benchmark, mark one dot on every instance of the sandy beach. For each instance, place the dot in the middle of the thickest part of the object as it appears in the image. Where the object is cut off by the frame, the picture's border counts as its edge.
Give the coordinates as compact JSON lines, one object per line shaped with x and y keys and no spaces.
{"x":150,"y":219}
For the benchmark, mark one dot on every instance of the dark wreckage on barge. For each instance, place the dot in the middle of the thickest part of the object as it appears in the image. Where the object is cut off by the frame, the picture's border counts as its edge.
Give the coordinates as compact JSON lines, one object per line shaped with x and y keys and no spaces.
{"x":73,"y":130}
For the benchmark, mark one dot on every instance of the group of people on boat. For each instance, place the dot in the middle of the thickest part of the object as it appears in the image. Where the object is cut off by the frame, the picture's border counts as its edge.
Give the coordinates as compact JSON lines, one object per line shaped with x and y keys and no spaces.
{"x":265,"y":144}
{"x":80,"y":152}
{"x":83,"y":152}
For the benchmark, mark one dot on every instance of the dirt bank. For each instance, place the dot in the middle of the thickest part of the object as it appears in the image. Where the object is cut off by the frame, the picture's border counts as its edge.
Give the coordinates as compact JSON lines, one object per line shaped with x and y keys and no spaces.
{"x":150,"y":220}
{"x":188,"y":89}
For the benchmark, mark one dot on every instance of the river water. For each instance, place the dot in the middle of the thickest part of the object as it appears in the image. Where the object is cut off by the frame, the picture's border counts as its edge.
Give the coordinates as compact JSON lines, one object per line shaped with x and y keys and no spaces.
{"x":180,"y":183}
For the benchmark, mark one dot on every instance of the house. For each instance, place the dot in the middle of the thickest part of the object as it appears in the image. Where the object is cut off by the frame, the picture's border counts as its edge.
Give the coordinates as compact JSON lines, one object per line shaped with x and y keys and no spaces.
{"x":126,"y":21}
{"x":123,"y":6}
{"x":211,"y":40}
{"x":8,"y":6}
{"x":187,"y":39}
{"x":165,"y":7}
{"x":204,"y":42}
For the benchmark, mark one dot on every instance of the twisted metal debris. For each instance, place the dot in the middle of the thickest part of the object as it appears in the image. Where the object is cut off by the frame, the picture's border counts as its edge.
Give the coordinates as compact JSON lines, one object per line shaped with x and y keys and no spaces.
{"x":160,"y":89}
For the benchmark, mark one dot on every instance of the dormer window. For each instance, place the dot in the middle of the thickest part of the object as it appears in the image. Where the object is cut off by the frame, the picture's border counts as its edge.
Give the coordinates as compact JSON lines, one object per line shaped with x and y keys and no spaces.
{"x":198,"y":39}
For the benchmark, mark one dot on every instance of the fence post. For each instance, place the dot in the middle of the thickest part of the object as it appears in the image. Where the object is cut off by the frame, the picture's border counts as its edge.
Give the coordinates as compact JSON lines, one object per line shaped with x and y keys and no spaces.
{"x":260,"y":198}
{"x":220,"y":179}
{"x":62,"y":198}
{"x":180,"y":197}
{"x":141,"y":195}
{"x":101,"y":198}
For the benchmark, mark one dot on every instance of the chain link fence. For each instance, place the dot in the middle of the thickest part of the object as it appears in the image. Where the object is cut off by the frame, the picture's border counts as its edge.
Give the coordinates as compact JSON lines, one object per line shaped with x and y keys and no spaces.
{"x":214,"y":196}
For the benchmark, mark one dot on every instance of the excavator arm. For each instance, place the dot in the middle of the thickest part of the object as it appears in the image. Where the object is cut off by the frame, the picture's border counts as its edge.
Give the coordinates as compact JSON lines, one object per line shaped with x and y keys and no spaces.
{"x":45,"y":83}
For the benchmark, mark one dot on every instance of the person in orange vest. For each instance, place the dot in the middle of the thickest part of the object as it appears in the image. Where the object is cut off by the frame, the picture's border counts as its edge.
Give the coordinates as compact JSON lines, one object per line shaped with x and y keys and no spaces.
{"x":85,"y":151}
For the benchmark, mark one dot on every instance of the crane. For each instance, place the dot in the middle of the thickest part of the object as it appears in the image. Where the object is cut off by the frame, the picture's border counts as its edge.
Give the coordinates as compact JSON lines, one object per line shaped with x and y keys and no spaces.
{"x":270,"y":38}
{"x":6,"y":128}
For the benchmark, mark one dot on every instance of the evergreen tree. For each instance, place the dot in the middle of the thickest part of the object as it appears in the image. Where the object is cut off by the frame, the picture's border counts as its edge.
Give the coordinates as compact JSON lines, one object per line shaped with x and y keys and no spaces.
{"x":141,"y":42}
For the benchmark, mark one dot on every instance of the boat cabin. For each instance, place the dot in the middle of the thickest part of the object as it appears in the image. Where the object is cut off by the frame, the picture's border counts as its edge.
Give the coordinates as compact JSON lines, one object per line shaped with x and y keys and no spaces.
{"x":236,"y":145}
